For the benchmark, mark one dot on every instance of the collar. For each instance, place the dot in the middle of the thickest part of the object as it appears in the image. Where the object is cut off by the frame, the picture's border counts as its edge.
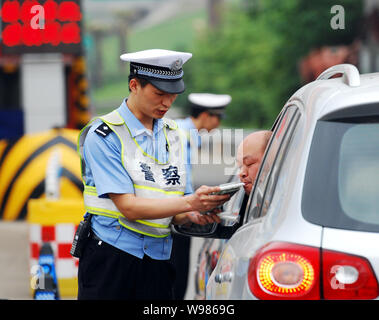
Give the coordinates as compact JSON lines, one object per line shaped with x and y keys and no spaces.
{"x":135,"y":126}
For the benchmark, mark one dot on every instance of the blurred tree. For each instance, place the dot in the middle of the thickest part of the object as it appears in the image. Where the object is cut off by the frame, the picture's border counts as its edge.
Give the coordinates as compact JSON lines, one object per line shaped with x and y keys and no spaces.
{"x":254,"y":54}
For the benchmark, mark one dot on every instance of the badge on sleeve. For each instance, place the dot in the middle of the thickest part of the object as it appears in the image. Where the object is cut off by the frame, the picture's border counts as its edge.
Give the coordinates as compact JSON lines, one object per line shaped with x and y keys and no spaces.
{"x":103,"y":130}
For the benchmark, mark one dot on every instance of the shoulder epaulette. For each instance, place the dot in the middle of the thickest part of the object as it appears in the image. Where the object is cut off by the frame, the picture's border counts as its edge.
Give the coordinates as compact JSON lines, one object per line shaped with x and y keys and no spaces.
{"x":103,"y":130}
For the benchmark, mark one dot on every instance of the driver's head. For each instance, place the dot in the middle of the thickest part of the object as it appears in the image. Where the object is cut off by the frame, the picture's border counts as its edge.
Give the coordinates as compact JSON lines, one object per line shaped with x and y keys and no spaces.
{"x":249,"y":156}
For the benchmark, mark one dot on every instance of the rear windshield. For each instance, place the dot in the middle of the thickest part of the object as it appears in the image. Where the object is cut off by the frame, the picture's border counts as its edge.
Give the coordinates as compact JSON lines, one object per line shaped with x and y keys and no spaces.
{"x":341,"y":187}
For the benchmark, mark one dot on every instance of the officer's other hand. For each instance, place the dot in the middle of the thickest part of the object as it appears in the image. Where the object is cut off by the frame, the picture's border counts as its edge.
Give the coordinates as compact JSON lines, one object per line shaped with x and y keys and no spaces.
{"x":202,"y":219}
{"x":202,"y":200}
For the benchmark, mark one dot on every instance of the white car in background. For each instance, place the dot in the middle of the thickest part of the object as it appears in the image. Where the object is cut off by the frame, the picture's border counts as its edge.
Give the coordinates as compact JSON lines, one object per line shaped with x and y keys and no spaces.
{"x":310,"y":229}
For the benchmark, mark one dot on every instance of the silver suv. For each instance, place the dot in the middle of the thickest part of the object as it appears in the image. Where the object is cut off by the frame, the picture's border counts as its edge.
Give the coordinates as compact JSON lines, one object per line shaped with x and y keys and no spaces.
{"x":310,"y":228}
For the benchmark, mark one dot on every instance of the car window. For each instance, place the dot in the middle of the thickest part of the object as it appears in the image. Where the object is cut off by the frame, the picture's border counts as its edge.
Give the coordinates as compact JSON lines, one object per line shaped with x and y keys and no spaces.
{"x":277,"y":165}
{"x":341,"y":186}
{"x":358,"y":173}
{"x":271,"y":164}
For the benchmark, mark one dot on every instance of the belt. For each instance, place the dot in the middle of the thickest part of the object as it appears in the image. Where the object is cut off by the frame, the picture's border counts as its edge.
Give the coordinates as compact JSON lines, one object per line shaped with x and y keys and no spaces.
{"x":101,"y":242}
{"x":94,"y":236}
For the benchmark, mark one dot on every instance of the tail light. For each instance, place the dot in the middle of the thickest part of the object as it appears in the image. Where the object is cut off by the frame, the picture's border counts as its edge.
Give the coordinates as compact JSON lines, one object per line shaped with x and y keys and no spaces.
{"x":347,"y":276}
{"x":282,"y":270}
{"x":285,"y":271}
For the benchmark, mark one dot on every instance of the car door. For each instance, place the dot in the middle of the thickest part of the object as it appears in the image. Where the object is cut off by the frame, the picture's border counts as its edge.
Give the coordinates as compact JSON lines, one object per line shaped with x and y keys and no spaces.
{"x":228,"y":281}
{"x":212,"y":247}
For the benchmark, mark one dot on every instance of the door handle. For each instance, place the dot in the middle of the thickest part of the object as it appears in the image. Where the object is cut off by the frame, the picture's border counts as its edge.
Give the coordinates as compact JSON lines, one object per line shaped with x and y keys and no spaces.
{"x":224,"y":277}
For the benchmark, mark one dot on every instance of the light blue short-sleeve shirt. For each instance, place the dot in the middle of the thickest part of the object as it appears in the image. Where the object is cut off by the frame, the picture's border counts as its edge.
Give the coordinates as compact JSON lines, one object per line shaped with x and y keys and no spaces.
{"x":104,"y":170}
{"x":192,"y":134}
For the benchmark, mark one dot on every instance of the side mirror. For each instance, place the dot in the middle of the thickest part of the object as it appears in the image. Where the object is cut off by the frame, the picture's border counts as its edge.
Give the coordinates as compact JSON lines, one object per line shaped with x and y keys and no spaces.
{"x":195,"y":230}
{"x":230,"y":222}
{"x":212,"y":230}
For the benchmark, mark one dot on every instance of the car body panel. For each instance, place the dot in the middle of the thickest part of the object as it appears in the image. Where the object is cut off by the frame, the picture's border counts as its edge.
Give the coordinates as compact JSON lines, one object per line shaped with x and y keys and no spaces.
{"x":284,"y":220}
{"x":211,"y":248}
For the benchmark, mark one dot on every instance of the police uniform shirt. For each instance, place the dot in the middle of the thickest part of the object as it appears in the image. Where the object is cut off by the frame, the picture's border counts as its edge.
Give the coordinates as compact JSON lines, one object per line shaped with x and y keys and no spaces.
{"x":102,"y":154}
{"x":192,"y":136}
{"x":205,"y":102}
{"x":188,"y":126}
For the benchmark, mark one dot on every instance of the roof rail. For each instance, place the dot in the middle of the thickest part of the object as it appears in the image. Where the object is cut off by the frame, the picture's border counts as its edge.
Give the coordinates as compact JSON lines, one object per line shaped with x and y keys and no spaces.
{"x":350,"y":74}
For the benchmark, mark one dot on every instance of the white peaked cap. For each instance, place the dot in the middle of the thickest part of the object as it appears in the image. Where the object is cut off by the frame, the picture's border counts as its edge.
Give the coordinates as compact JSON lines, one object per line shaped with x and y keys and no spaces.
{"x":162,"y":68}
{"x":209,"y":100}
{"x":157,"y":57}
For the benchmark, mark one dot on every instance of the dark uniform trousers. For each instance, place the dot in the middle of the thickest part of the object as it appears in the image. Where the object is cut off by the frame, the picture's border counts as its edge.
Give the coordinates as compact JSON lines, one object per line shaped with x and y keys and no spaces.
{"x":180,"y":259}
{"x":107,"y":273}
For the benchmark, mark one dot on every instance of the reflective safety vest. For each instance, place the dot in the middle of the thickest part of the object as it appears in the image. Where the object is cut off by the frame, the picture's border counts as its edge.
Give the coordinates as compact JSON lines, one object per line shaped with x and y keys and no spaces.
{"x":151,"y":178}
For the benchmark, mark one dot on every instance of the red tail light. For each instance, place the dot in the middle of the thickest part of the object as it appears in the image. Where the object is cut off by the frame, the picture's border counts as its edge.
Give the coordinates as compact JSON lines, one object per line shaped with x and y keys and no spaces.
{"x":285,"y":271}
{"x":347,"y":277}
{"x":282,"y":270}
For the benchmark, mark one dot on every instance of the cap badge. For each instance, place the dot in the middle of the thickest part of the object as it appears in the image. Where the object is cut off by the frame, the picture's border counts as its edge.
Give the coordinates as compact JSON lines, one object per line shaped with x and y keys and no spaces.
{"x":176,"y":65}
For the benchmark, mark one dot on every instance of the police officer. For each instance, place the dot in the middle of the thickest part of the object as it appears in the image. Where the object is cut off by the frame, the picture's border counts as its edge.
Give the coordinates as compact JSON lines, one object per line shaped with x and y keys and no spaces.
{"x":206,"y":112}
{"x":135,"y":186}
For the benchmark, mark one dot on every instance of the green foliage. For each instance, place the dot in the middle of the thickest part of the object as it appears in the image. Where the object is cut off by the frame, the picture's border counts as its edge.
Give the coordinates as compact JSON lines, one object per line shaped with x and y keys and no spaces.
{"x":254,"y":56}
{"x":176,"y":32}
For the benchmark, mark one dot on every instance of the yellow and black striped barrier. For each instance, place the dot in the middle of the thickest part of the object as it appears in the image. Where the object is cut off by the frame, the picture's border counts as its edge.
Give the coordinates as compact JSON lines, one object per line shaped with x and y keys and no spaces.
{"x":23,"y":165}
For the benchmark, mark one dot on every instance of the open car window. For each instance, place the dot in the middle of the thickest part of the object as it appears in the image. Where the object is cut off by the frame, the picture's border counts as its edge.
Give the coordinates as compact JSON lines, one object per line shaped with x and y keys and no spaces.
{"x":270,"y":168}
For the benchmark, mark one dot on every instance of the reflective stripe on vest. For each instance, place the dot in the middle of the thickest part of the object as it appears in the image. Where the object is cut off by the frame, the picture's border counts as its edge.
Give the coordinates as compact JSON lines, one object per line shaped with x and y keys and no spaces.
{"x":151,"y":178}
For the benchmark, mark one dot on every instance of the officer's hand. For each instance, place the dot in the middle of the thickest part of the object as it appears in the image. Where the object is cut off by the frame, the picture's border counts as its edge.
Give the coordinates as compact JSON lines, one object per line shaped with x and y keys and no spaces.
{"x":202,"y":219}
{"x":202,"y":200}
